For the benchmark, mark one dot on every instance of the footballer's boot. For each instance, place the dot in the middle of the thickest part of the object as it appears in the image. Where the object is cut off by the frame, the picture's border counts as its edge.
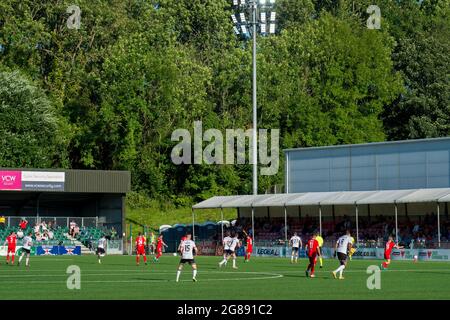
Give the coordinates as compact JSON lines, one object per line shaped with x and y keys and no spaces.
{"x":307,"y":273}
{"x":312,"y":276}
{"x":334,"y":275}
{"x":341,"y":278}
{"x":193,"y":279}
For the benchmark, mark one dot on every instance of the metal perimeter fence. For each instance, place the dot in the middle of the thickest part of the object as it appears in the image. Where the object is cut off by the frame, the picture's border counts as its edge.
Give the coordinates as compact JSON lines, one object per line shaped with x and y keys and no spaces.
{"x":56,"y":221}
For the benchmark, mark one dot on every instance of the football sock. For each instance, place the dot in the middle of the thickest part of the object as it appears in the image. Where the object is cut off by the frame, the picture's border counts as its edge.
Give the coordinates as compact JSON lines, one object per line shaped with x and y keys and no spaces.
{"x":12,"y":259}
{"x":321,"y":262}
{"x":7,"y":258}
{"x":194,"y":273}
{"x":145,"y":259}
{"x":20,"y":259}
{"x":234,"y":262}
{"x":296,"y":259}
{"x":178,"y":274}
{"x":342,"y":270}
{"x":292,"y":258}
{"x":341,"y":267}
{"x":137,"y":259}
{"x":312,"y":269}
{"x":27,"y":260}
{"x":223,"y":261}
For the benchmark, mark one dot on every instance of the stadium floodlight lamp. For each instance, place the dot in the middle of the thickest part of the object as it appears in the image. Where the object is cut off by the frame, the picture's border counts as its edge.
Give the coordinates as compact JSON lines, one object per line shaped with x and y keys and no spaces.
{"x":273,"y":16}
{"x":263,"y":17}
{"x":272,"y":28}
{"x":250,"y":18}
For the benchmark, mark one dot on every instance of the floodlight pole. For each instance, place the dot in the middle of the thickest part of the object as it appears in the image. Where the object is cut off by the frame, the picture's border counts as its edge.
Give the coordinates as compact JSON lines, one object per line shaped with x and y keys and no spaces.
{"x":255,"y":117}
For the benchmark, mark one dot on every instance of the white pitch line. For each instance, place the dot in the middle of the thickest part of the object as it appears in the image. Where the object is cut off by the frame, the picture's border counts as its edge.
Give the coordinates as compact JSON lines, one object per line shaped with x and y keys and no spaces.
{"x":271,"y":276}
{"x":364,"y":271}
{"x":63,"y":274}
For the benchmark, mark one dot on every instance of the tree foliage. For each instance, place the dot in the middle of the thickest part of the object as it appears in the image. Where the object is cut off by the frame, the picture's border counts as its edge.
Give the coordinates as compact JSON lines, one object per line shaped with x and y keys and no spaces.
{"x":109,"y":95}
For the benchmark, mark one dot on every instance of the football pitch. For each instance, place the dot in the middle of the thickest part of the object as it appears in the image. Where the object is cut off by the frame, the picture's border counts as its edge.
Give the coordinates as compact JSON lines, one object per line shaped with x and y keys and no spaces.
{"x":118,"y":277}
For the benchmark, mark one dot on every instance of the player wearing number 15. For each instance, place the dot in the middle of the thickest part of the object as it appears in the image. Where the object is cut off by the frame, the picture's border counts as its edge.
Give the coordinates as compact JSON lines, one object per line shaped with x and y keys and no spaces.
{"x":140,"y":248}
{"x":312,"y":250}
{"x":188,"y":250}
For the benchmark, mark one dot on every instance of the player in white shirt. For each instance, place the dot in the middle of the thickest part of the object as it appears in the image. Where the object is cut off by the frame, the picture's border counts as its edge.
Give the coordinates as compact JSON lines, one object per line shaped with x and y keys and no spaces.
{"x":296,"y":243}
{"x":188,"y":249}
{"x":26,"y":249}
{"x":342,"y":248}
{"x":101,"y":246}
{"x":229,"y":247}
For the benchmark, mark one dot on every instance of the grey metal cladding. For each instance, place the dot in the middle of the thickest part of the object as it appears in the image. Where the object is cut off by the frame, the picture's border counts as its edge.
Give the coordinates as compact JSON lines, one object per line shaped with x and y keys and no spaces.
{"x":98,"y":181}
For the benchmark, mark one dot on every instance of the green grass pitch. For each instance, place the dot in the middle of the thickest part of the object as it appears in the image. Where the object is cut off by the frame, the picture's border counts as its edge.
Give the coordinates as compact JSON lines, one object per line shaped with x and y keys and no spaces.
{"x":118,"y":277}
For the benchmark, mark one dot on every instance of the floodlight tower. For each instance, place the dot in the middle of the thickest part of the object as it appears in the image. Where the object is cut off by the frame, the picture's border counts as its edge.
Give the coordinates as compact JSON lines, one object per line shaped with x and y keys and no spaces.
{"x":264,"y":23}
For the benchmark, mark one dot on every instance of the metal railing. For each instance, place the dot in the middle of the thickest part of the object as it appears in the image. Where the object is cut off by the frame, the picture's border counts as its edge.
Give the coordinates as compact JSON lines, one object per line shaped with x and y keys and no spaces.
{"x":56,"y":221}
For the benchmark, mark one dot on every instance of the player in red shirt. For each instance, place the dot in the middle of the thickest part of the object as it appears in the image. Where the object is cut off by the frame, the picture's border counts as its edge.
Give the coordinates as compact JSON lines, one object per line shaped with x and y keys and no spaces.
{"x":11,"y":240}
{"x":140,"y":248}
{"x":312,"y":250}
{"x":23,"y":224}
{"x":390,"y":245}
{"x":159,"y":247}
{"x":183,"y":238}
{"x":249,"y":247}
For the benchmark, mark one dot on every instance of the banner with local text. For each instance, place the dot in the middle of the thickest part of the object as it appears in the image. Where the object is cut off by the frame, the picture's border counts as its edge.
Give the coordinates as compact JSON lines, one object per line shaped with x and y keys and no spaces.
{"x":15,"y":180}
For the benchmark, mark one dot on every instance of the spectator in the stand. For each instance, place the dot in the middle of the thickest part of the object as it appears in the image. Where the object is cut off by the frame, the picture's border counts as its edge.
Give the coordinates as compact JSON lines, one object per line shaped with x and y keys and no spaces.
{"x":50,"y":235}
{"x":23,"y":224}
{"x":76,"y":231}
{"x":416,"y":228}
{"x":72,"y":226}
{"x":36,"y":228}
{"x":113,"y":233}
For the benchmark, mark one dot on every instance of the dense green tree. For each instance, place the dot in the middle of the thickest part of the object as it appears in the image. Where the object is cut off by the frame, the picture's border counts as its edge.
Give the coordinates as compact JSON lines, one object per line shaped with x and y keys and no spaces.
{"x":31,"y":132}
{"x":134,"y":71}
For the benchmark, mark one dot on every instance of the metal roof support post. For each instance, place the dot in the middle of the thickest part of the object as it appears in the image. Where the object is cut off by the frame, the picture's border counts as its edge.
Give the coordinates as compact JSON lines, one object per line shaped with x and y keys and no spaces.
{"x":439,"y":225}
{"x":285,"y":223}
{"x":357,"y":226}
{"x":193,"y":224}
{"x":320,"y":220}
{"x":221,"y":219}
{"x":253,"y":224}
{"x":396,"y":222}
